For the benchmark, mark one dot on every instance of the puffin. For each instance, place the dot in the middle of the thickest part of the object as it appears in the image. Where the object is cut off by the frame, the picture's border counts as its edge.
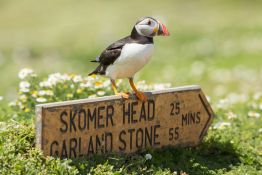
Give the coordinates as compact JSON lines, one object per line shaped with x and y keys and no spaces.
{"x":125,"y":57}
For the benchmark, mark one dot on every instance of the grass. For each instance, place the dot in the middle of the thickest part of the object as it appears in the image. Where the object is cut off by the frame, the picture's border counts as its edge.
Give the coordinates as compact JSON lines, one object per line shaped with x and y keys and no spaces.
{"x":216,"y":44}
{"x":226,"y":150}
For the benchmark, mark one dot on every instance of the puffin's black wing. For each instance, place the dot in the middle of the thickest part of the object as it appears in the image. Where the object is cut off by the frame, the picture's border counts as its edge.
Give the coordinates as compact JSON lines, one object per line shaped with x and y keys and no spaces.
{"x":109,"y":55}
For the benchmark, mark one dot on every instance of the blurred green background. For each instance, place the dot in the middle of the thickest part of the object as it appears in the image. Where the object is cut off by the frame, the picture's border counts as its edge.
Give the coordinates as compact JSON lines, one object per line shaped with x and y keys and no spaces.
{"x":217,"y":44}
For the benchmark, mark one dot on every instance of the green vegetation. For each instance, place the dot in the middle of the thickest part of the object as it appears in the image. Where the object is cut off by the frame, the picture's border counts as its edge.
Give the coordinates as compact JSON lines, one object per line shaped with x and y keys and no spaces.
{"x":216,"y":44}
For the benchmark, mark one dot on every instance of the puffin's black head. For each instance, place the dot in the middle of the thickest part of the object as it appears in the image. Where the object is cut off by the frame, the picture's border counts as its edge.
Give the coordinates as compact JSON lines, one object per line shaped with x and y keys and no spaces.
{"x":150,"y":27}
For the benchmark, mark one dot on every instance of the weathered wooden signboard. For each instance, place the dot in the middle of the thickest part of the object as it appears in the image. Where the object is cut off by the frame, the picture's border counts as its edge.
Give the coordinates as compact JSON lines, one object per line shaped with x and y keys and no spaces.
{"x":178,"y":116}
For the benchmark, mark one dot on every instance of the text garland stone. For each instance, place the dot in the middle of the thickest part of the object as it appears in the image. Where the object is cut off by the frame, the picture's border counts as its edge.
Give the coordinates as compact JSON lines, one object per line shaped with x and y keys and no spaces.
{"x":177,"y":116}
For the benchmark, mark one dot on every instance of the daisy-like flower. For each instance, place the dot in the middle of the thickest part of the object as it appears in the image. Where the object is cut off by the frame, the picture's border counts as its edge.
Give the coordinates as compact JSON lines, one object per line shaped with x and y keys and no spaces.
{"x":253,"y":114}
{"x":142,"y":85}
{"x":12,"y":103}
{"x":55,"y":78}
{"x":106,"y":83}
{"x":46,"y":92}
{"x":260,"y":106}
{"x":101,"y":93}
{"x":257,"y":95}
{"x":77,"y":78}
{"x":148,"y":156}
{"x":221,"y":125}
{"x":23,"y":98}
{"x":24,"y":86}
{"x":20,"y":104}
{"x":231,"y":115}
{"x":161,"y":86}
{"x":41,"y":100}
{"x":98,"y":84}
{"x":25,"y":73}
{"x":46,"y":84}
{"x":41,"y":92}
{"x":85,"y":85}
{"x":92,"y":96}
{"x":223,"y":104}
{"x":49,"y":93}
{"x":90,"y":78}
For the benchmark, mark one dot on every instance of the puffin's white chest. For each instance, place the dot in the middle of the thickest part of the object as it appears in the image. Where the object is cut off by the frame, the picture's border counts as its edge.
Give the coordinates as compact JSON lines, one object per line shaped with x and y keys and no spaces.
{"x":133,"y":57}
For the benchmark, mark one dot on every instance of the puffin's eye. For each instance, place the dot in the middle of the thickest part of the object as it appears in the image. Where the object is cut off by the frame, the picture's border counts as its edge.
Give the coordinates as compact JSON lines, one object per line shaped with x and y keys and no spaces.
{"x":149,"y":23}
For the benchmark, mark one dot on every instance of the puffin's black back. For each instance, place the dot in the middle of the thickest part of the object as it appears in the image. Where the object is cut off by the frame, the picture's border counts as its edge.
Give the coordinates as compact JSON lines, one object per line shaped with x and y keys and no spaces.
{"x":112,"y":52}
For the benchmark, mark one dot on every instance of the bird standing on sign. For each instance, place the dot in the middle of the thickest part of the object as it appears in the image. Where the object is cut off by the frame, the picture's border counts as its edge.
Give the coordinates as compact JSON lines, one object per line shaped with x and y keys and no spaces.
{"x":127,"y":56}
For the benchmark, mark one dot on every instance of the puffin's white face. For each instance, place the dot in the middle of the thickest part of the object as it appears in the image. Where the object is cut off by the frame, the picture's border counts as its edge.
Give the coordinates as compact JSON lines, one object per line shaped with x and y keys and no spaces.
{"x":150,"y":27}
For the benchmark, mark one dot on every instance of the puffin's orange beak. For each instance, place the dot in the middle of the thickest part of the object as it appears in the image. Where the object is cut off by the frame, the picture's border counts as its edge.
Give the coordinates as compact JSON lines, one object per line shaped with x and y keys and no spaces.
{"x":162,"y":29}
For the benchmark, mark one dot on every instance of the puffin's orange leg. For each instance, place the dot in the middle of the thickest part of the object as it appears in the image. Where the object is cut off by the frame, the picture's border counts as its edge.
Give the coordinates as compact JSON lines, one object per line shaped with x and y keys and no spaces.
{"x":124,"y":95}
{"x":140,"y":95}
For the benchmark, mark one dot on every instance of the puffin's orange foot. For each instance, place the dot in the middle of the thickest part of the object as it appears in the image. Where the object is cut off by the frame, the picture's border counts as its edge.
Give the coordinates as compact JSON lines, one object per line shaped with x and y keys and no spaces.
{"x":123,"y":95}
{"x":141,"y":96}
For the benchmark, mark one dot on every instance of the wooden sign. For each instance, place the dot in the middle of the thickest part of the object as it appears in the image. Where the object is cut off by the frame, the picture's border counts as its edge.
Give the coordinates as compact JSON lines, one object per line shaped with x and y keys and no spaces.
{"x":178,"y":116}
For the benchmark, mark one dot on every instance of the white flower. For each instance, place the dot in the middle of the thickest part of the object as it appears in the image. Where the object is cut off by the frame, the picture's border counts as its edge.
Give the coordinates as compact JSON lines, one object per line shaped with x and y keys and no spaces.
{"x":175,"y":173}
{"x":45,"y":84}
{"x":72,"y":86}
{"x":148,"y":156}
{"x":1,"y":98}
{"x":77,"y":78}
{"x":49,"y":92}
{"x":223,"y":104}
{"x":24,"y":90}
{"x":12,"y":103}
{"x":53,"y":79}
{"x":257,"y":95}
{"x":85,"y":85}
{"x":23,"y":97}
{"x":160,"y":86}
{"x":260,"y":106}
{"x":90,"y":78}
{"x":253,"y":114}
{"x":101,"y":93}
{"x":20,"y":104}
{"x":24,"y":86}
{"x":106,"y":83}
{"x":46,"y":92}
{"x":98,"y":84}
{"x":3,"y":126}
{"x":65,"y":77}
{"x":221,"y":125}
{"x":24,"y":73}
{"x":41,"y":100}
{"x":231,"y":115}
{"x":41,"y":92}
{"x":92,"y":96}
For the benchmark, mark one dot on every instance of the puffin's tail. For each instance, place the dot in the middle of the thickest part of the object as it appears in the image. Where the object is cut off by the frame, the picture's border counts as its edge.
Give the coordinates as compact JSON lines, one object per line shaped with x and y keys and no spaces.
{"x":92,"y":73}
{"x":99,"y":70}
